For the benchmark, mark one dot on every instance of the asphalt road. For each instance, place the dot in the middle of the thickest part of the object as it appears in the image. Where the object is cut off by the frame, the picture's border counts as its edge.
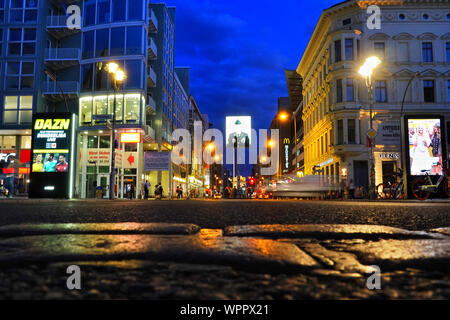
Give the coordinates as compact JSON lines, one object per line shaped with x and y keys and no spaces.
{"x":222,"y":213}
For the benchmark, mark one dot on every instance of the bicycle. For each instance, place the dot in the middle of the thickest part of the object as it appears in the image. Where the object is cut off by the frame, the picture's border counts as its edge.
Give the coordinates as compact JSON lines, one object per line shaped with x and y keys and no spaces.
{"x":422,"y":188}
{"x":392,"y":188}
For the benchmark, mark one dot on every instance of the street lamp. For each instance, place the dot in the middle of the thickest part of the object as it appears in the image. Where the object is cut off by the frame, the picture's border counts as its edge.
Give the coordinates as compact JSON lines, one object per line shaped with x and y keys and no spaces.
{"x":366,"y":71}
{"x":118,"y":77}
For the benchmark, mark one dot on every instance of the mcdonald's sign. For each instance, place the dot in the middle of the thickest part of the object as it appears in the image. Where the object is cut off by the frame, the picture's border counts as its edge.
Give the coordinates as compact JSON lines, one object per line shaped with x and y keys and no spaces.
{"x":287,"y":141}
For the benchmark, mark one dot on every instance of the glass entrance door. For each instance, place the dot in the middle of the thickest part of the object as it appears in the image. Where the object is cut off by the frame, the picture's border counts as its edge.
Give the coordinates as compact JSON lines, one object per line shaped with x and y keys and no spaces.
{"x":103,"y":181}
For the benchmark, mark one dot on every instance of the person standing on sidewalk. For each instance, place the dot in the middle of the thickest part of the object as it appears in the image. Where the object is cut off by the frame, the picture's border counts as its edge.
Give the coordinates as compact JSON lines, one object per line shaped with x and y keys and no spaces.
{"x":352,"y":189}
{"x":131,"y":191}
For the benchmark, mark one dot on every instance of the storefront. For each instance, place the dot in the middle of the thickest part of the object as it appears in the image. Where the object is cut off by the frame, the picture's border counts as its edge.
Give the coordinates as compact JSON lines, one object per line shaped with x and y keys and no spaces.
{"x":94,"y":166}
{"x":15,"y":155}
{"x":195,"y":187}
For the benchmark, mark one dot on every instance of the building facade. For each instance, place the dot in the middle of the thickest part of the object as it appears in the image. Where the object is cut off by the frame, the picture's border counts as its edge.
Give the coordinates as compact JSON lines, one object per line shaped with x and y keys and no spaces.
{"x":47,"y":65}
{"x":413,"y":44}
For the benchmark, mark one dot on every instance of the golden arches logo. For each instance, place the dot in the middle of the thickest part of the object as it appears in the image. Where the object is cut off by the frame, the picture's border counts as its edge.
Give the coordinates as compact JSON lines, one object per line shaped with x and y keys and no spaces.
{"x":287,"y":141}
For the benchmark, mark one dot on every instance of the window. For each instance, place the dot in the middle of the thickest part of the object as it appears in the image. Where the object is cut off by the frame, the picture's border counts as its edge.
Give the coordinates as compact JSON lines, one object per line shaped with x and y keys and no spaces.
{"x":134,"y":10}
{"x":134,"y":40}
{"x":119,"y":10}
{"x":19,"y":75}
{"x":132,"y":107}
{"x":447,"y":51}
{"x":346,"y":22}
{"x":102,"y":43}
{"x":427,"y":52}
{"x":2,"y":11}
{"x":103,"y":11}
{"x":117,"y":42}
{"x":22,"y":11}
{"x":351,"y":131}
{"x":425,"y":16}
{"x":448,"y":90}
{"x":340,"y":129}
{"x":18,"y":110}
{"x":350,"y":92}
{"x":337,"y":51}
{"x":339,"y":90}
{"x":89,"y":13}
{"x":401,"y":16}
{"x":349,"y":49}
{"x":380,"y":91}
{"x":428,"y":90}
{"x":379,"y":49}
{"x":22,"y":42}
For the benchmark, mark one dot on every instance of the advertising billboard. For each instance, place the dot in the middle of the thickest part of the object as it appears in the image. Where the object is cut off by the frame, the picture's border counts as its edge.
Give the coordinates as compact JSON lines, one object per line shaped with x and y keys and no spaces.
{"x":239,"y":128}
{"x":424,"y":146}
{"x":52,"y":155}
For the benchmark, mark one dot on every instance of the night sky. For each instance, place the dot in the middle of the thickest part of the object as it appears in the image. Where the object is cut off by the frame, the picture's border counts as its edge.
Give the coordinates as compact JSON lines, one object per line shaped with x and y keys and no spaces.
{"x":238,"y":50}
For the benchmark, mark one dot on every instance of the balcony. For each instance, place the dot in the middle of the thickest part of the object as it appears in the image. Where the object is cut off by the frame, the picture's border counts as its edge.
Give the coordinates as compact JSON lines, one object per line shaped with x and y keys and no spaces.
{"x":151,"y":106}
{"x":151,"y":77}
{"x":57,"y":27}
{"x":152,"y":49}
{"x":60,"y":58}
{"x":152,"y":22}
{"x":56,"y":91}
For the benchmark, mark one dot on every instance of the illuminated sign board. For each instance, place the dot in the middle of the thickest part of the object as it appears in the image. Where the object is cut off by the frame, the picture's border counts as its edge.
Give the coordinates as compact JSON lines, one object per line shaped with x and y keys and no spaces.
{"x":239,"y":129}
{"x":52,"y":155}
{"x":130,"y":137}
{"x":424,"y":145}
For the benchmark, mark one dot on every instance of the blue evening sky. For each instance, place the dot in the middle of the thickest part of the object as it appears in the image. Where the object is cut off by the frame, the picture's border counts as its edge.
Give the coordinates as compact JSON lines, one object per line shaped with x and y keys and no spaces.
{"x":238,"y":50}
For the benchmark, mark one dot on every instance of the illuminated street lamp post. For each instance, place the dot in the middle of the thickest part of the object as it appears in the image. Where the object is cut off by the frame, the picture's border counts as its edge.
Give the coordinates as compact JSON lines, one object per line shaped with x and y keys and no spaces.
{"x":366,"y":71}
{"x":118,"y":78}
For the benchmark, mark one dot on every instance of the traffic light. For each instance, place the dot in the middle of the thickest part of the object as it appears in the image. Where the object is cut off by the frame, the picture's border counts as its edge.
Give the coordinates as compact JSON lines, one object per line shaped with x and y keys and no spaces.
{"x":251,"y":181}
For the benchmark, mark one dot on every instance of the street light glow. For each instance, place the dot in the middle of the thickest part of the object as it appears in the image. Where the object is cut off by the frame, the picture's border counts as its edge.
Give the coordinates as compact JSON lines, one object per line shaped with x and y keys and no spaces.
{"x":283,"y":116}
{"x":369,"y":65}
{"x":120,"y":75}
{"x":112,"y":67}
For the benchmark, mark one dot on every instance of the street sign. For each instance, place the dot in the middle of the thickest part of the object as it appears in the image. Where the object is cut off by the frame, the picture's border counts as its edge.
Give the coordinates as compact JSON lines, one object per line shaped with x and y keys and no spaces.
{"x":371,"y":133}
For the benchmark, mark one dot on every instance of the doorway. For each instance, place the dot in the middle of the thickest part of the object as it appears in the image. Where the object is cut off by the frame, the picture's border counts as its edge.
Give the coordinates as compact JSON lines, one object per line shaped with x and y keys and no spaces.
{"x":361,"y":174}
{"x":388,"y":168}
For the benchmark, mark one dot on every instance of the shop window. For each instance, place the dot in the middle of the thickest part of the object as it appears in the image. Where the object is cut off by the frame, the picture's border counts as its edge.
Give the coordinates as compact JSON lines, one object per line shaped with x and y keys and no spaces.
{"x":132,"y":107}
{"x":119,"y":106}
{"x":92,"y":142}
{"x":85,"y":111}
{"x":8,"y":143}
{"x":18,"y":109}
{"x":25,"y":142}
{"x":105,"y":142}
{"x":100,"y":107}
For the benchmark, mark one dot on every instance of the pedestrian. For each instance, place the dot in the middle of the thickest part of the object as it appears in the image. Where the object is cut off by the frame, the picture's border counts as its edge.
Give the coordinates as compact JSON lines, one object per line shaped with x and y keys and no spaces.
{"x":157,"y":191}
{"x":146,"y":189}
{"x":342,"y":188}
{"x":181,"y":192}
{"x":352,"y":189}
{"x":160,"y":191}
{"x":131,"y":191}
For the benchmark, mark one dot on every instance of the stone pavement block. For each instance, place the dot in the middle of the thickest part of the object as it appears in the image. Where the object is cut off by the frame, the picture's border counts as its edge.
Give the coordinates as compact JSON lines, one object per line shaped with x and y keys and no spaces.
{"x":97,"y":228}
{"x":341,"y":261}
{"x":324,"y":231}
{"x":206,"y":247}
{"x":397,"y":254}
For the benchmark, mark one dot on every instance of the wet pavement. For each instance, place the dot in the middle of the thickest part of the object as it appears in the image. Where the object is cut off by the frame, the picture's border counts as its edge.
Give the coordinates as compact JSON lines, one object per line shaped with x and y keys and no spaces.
{"x":153,"y":261}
